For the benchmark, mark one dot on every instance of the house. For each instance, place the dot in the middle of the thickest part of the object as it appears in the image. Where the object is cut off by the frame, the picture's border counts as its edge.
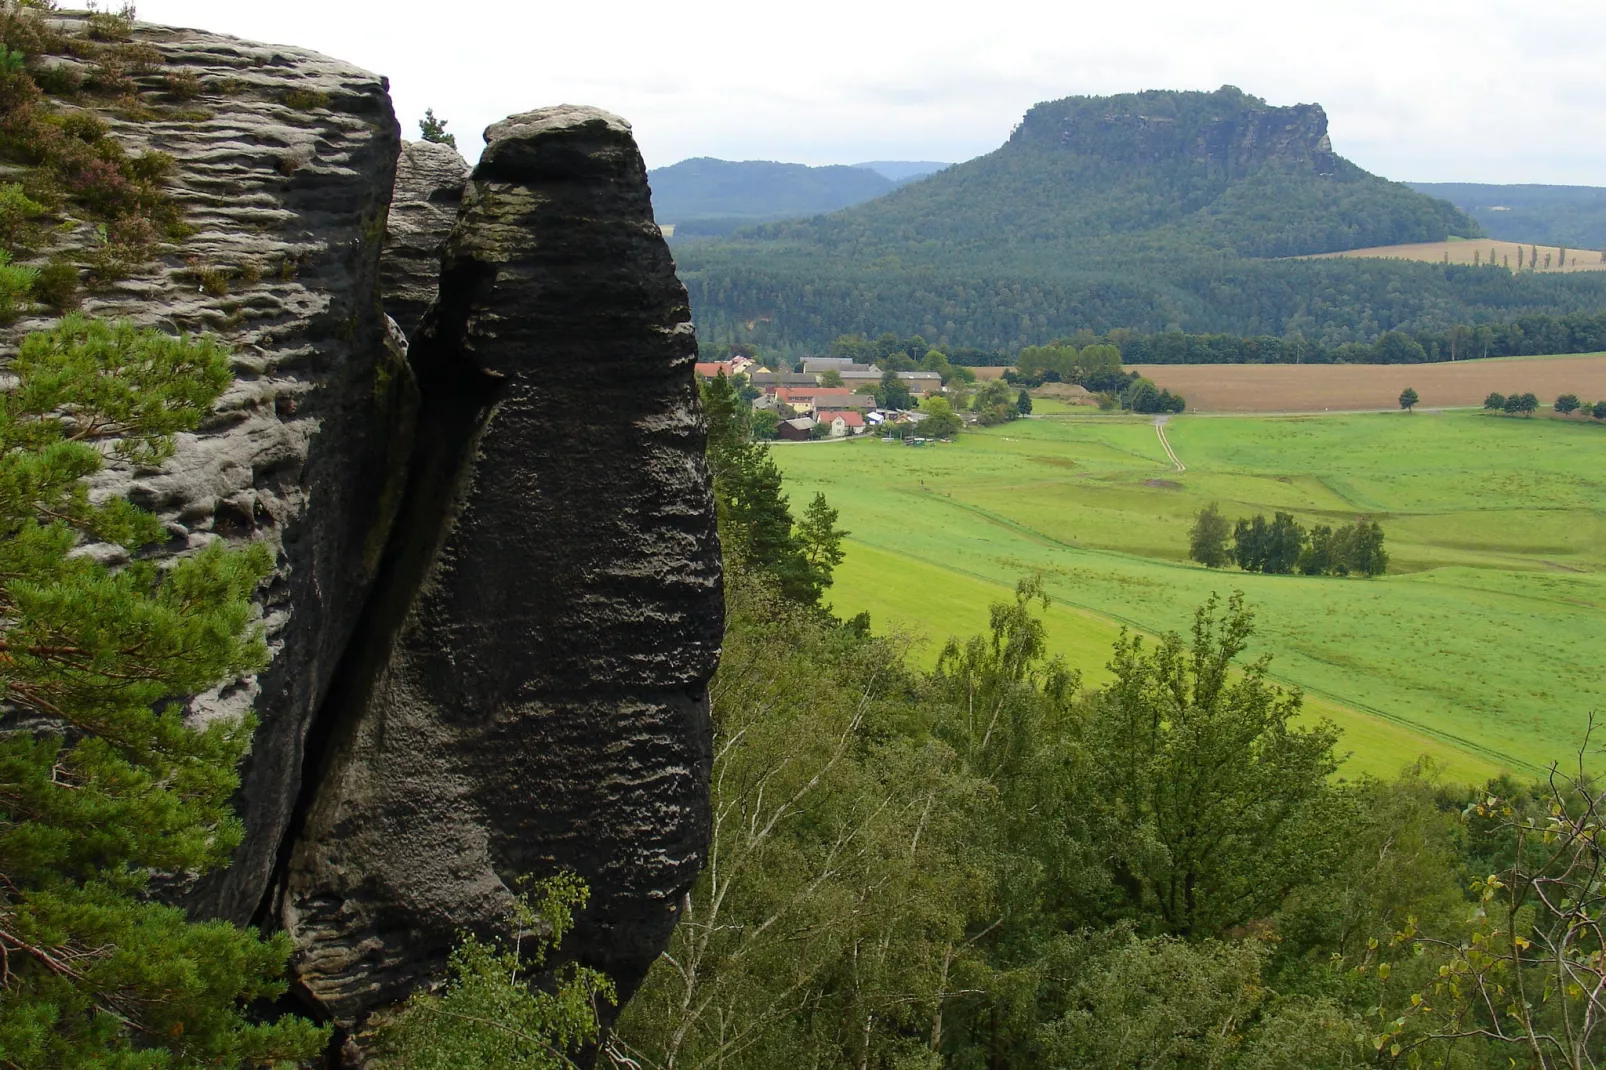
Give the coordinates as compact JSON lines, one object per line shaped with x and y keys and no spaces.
{"x":769,"y":381}
{"x":714,"y":369}
{"x":795,"y":430}
{"x":919,"y":383}
{"x":804,"y":399}
{"x":842,"y":422}
{"x":841,"y":365}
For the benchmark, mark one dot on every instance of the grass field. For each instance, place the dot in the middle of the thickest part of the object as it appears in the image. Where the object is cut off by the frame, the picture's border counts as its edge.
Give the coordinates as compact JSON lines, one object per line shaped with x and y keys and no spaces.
{"x":1346,"y":387}
{"x":1482,"y":647}
{"x":1482,"y":250}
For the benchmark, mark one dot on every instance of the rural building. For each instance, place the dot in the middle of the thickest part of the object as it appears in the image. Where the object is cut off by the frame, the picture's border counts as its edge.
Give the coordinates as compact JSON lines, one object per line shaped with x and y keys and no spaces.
{"x":795,"y":430}
{"x":835,"y":364}
{"x":768,"y":381}
{"x":842,"y":423}
{"x":714,"y":369}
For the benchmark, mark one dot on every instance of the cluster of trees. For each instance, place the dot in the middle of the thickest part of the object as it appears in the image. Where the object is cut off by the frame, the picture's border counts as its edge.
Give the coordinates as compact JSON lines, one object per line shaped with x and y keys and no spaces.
{"x":1528,"y":403}
{"x":1567,"y":404}
{"x":1141,"y":395}
{"x":1283,"y":546}
{"x":1516,"y":404}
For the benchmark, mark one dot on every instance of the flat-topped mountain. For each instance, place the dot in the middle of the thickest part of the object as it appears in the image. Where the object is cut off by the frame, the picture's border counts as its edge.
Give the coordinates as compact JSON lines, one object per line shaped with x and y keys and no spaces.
{"x":1149,"y":211}
{"x":1221,"y":170}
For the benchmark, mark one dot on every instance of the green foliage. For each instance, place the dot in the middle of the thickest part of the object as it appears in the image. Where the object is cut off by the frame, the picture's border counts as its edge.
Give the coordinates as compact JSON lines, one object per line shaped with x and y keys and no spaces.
{"x":489,"y":1015}
{"x":755,"y":518}
{"x":434,"y":130}
{"x":1567,"y":404}
{"x":1495,"y":402}
{"x":70,"y":163}
{"x":1283,"y":546}
{"x":893,"y":393}
{"x":836,"y":921}
{"x":1200,"y":777}
{"x":1207,"y":540}
{"x":101,"y":779}
{"x":15,"y":284}
{"x":1408,"y":399}
{"x":941,"y":421}
{"x":1518,"y":404}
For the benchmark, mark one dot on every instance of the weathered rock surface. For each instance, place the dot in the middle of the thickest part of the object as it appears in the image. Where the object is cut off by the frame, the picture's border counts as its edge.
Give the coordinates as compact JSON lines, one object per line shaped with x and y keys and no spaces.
{"x":1237,"y":136}
{"x":528,"y":692}
{"x":497,"y":596}
{"x":429,"y":188}
{"x":305,"y":452}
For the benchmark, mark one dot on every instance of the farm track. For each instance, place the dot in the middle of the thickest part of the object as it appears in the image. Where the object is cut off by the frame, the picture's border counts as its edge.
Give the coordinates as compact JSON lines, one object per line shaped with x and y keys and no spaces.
{"x":1159,"y":429}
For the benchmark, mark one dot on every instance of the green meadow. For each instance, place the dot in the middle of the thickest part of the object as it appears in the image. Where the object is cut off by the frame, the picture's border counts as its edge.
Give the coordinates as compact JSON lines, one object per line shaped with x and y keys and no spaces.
{"x":1482,"y":648}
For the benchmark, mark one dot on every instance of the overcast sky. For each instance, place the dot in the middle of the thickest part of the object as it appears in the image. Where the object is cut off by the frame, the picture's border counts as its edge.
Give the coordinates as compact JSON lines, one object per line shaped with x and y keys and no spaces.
{"x":1426,"y":90}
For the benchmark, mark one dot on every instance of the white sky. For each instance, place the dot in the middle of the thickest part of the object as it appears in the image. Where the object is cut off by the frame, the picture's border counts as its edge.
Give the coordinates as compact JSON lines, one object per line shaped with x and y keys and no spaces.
{"x":1426,"y":90}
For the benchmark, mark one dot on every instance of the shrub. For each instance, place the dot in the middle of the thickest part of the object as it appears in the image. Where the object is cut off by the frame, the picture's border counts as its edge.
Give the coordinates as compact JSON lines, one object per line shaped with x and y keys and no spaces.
{"x":15,"y":284}
{"x":1495,"y":402}
{"x":305,"y":99}
{"x":57,"y":285}
{"x":17,"y":211}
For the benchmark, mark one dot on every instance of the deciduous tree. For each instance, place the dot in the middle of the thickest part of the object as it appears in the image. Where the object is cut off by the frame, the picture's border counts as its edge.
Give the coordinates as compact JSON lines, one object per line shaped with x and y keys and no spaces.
{"x":1207,"y":539}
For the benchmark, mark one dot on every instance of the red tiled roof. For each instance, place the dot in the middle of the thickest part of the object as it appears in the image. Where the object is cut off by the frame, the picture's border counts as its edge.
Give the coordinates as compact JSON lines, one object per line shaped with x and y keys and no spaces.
{"x":713,"y":368}
{"x":848,"y":417}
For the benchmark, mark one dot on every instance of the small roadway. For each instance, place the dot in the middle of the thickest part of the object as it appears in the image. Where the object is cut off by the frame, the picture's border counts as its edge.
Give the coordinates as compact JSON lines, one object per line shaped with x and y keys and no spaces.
{"x":1159,"y":429}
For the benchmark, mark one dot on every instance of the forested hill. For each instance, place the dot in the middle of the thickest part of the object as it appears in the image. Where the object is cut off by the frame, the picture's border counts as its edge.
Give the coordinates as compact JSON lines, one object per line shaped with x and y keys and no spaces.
{"x":1150,"y":211}
{"x":1218,"y":171}
{"x":1573,"y":216}
{"x":725,"y":194}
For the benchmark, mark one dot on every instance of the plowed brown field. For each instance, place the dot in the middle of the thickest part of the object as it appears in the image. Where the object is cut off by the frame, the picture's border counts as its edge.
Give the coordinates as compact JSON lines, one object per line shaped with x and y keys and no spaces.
{"x":1350,"y":387}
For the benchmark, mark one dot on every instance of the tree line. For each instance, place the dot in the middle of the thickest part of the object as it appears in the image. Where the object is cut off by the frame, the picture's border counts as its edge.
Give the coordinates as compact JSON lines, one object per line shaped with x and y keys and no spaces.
{"x":1527,"y":403}
{"x":1283,"y":546}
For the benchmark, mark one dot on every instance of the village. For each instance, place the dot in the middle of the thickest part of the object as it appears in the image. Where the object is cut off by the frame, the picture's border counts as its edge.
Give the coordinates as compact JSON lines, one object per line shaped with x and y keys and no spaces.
{"x":831,"y":398}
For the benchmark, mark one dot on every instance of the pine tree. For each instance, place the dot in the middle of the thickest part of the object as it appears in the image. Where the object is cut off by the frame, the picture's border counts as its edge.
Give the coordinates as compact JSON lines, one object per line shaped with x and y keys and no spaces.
{"x":755,"y":518}
{"x":101,"y":779}
{"x":434,"y":130}
{"x":821,"y":540}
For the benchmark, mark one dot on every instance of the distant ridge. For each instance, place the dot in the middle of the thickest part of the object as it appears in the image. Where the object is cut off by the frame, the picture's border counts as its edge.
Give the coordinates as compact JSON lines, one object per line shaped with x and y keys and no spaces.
{"x":1574,"y":216}
{"x":904,"y":170}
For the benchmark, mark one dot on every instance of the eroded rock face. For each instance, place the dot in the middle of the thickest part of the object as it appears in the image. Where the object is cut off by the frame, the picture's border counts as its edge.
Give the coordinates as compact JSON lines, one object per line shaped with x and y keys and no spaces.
{"x":305,"y":452}
{"x":429,"y":188}
{"x":528,"y":693}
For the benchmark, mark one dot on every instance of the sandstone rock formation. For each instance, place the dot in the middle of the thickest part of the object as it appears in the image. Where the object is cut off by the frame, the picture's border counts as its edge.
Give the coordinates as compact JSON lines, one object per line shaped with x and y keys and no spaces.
{"x":497,"y":600}
{"x":429,"y":188}
{"x":530,"y":692}
{"x":306,"y":451}
{"x":1238,"y":134}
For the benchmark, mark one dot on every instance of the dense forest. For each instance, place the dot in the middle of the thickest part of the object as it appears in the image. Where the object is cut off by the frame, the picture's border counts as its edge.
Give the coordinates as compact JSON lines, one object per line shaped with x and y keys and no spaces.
{"x":1571,"y":216}
{"x":1151,"y":212}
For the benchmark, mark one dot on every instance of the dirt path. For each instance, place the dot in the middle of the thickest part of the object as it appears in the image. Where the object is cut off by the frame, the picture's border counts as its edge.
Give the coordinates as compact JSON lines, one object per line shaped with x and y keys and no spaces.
{"x":1159,"y":429}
